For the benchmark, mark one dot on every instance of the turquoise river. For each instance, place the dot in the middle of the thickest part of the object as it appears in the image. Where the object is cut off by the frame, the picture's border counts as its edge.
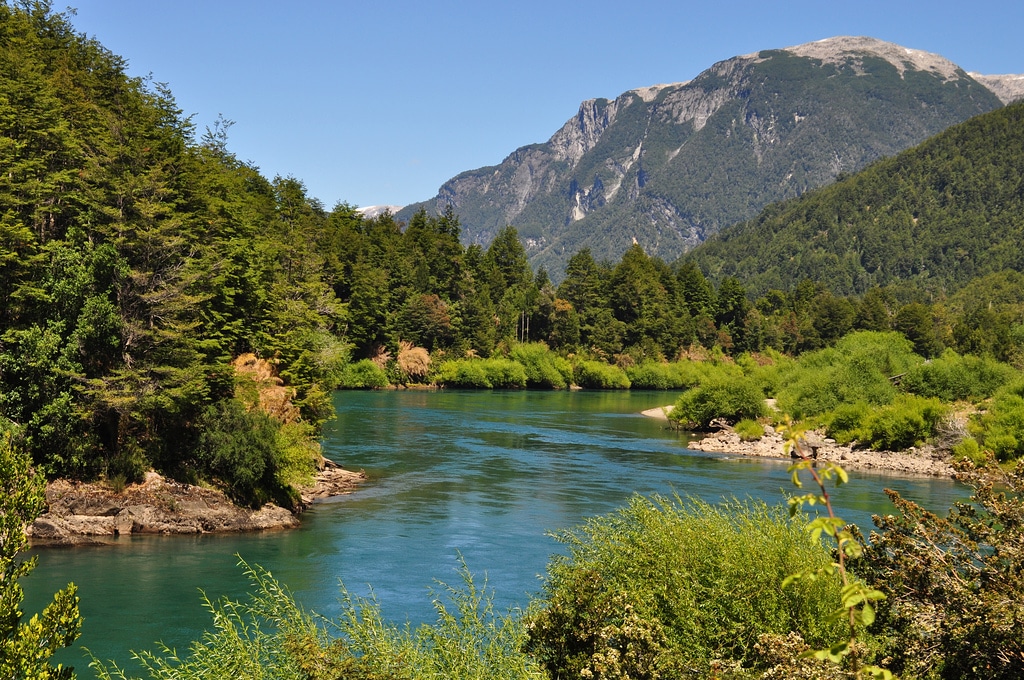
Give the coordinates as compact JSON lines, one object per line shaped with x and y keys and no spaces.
{"x":483,"y":474}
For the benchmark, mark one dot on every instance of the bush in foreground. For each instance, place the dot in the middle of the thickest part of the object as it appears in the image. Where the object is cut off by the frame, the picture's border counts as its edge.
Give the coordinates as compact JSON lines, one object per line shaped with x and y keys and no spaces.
{"x":26,"y":647}
{"x":271,"y":637}
{"x":955,"y":604}
{"x":666,"y":588}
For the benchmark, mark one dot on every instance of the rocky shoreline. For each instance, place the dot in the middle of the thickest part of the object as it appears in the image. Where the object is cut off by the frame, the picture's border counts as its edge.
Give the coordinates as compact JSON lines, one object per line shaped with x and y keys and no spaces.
{"x":88,"y":514}
{"x":915,"y":461}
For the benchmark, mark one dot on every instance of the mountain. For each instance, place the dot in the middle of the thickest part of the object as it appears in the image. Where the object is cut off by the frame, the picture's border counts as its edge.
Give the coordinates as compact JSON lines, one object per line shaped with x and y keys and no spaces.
{"x":372,"y":211}
{"x":936,"y":216}
{"x":668,"y":165}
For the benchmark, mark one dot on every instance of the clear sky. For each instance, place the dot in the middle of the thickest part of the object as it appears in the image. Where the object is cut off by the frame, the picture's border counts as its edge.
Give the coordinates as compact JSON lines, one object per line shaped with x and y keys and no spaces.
{"x":378,"y":102}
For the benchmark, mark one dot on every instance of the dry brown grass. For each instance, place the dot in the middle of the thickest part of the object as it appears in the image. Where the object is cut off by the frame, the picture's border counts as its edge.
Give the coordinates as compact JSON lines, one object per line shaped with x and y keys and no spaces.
{"x":380,"y":356}
{"x":413,"y":361}
{"x":274,"y":398}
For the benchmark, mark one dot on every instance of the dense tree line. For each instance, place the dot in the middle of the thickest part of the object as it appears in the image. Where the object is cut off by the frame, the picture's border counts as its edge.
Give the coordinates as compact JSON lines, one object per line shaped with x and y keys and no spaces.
{"x":136,"y":262}
{"x":139,"y":261}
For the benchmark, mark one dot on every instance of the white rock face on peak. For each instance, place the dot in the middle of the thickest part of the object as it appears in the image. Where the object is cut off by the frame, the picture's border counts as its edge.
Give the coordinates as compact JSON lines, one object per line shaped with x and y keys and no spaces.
{"x":1009,"y":87}
{"x":372,"y":211}
{"x":840,"y":48}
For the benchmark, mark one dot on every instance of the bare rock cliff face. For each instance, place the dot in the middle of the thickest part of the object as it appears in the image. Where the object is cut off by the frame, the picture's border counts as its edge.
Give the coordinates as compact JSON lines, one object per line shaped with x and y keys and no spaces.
{"x":1009,"y":88}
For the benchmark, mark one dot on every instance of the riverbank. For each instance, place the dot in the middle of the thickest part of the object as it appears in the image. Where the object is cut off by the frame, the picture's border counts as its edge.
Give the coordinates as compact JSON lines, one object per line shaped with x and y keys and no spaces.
{"x":915,"y":461}
{"x":81,"y":513}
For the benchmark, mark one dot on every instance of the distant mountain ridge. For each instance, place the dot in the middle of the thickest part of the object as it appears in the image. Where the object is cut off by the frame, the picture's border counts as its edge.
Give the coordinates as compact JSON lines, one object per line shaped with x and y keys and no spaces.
{"x":669,"y":165}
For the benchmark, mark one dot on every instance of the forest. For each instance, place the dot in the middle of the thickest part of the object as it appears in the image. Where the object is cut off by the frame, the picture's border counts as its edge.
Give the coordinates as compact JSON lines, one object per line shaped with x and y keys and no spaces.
{"x":142,"y":264}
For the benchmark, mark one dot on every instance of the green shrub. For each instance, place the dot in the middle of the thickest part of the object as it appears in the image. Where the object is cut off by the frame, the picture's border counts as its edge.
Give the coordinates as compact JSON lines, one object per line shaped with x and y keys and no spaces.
{"x":467,"y":373}
{"x":298,"y":454}
{"x":543,"y":367}
{"x":239,"y":448}
{"x":662,"y":588}
{"x":490,"y":373}
{"x":656,"y":375}
{"x":729,"y":399}
{"x":749,"y":429}
{"x":906,"y":422}
{"x":505,"y":373}
{"x":845,"y":423}
{"x":952,"y":377}
{"x":1002,"y":426}
{"x":363,"y":375}
{"x":858,"y":368}
{"x":599,"y":375}
{"x":767,"y":376}
{"x":969,"y":449}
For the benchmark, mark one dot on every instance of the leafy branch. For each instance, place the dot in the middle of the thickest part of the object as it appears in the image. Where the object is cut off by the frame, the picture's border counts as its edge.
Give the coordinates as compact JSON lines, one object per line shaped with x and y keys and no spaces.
{"x":856,"y":596}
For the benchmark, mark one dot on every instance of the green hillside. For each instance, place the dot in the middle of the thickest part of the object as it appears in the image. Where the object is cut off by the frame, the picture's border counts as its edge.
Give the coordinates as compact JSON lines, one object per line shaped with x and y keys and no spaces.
{"x":936,"y":217}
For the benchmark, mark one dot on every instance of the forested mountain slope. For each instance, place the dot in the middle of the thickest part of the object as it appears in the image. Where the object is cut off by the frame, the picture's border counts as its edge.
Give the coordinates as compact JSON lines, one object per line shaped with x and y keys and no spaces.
{"x":937,"y":216}
{"x":670,"y":165}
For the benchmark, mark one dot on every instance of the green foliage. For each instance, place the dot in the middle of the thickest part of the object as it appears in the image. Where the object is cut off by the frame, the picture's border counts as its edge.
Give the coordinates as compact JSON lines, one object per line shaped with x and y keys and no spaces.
{"x":363,"y":374}
{"x":955,"y":596}
{"x":729,"y":399}
{"x":1001,"y":427}
{"x":908,"y":421}
{"x":656,"y":375}
{"x":270,"y":637}
{"x":504,"y":373}
{"x":898,"y":220}
{"x":968,"y":449}
{"x":543,"y":367}
{"x":599,"y":375}
{"x":846,"y":421}
{"x":495,"y":372}
{"x":952,"y":377}
{"x":27,"y":646}
{"x":663,"y":588}
{"x":858,"y":368}
{"x":241,"y":449}
{"x":749,"y":429}
{"x":858,"y":599}
{"x":298,"y":456}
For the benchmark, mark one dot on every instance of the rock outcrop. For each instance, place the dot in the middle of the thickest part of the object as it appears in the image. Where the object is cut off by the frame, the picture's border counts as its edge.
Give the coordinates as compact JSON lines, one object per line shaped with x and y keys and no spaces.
{"x":80,"y":513}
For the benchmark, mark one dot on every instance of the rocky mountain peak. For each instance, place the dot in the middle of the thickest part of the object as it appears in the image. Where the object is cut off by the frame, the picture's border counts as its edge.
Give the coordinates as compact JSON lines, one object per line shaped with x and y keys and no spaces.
{"x":670,"y":164}
{"x":840,"y":49}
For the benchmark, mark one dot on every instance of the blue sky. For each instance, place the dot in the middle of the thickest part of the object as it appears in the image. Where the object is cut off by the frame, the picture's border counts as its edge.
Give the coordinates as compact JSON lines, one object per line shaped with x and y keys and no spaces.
{"x":380,"y":102}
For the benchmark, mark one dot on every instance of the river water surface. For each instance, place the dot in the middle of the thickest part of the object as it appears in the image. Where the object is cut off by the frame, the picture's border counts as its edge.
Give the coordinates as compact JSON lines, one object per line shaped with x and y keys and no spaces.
{"x":481,"y":474}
